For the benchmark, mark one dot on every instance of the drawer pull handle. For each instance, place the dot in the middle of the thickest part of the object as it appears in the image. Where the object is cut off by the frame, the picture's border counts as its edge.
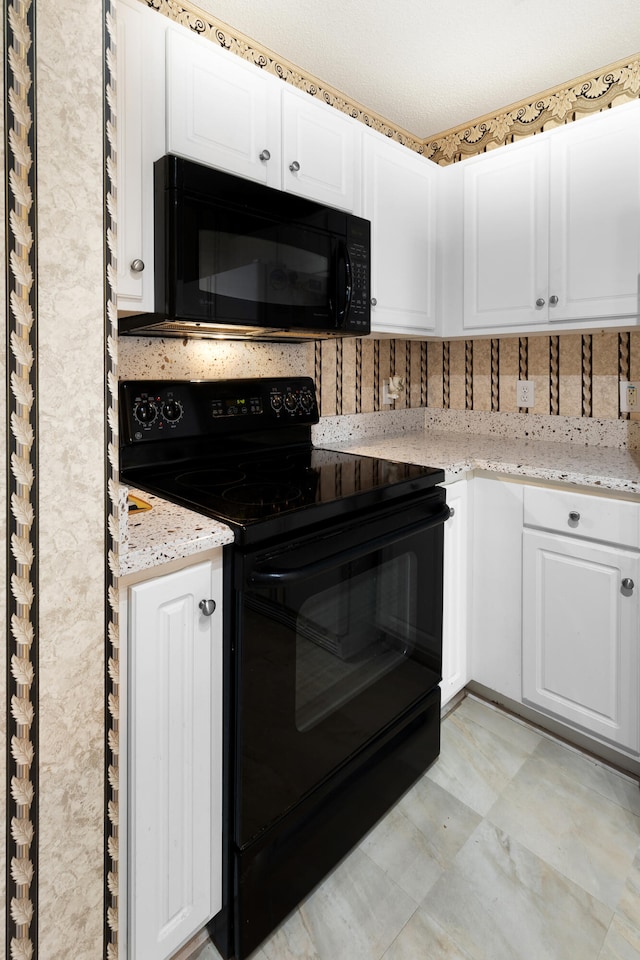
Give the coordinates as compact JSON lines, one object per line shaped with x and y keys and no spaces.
{"x":207,"y":607}
{"x":628,"y":584}
{"x":265,"y":155}
{"x":574,"y":516}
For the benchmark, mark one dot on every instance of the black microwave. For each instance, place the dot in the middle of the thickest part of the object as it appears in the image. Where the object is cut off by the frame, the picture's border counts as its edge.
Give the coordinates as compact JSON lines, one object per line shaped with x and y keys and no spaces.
{"x":234,"y":258}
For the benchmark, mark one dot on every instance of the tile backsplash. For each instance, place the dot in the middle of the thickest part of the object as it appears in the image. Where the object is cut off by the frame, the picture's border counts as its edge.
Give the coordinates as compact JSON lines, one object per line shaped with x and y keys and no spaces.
{"x":575,"y":375}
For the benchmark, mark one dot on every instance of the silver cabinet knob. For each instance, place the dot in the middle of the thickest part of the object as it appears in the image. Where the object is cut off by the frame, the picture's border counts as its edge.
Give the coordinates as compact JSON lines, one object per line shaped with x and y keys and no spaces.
{"x":373,"y":301}
{"x":265,"y":155}
{"x":137,"y":266}
{"x":628,"y":583}
{"x":294,"y":167}
{"x":452,"y":512}
{"x":553,"y":300}
{"x":540,"y":302}
{"x":207,"y":607}
{"x":574,"y":516}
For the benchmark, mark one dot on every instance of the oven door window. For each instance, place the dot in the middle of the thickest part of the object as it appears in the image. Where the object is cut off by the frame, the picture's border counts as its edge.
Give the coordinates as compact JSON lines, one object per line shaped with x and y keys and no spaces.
{"x":329,"y":657}
{"x":351,"y":635}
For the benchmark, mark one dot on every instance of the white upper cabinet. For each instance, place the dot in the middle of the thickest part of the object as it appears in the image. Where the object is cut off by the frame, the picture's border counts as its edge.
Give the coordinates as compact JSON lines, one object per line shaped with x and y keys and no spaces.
{"x":224,"y":112}
{"x":594,"y":240}
{"x":399,"y":197}
{"x":506,"y":230}
{"x":551,"y":231}
{"x":141,"y":141}
{"x":321,"y":151}
{"x":221,"y":110}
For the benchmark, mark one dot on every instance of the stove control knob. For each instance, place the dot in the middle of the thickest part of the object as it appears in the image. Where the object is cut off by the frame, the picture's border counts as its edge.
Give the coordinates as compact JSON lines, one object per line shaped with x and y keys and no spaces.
{"x":276,"y":401}
{"x":145,"y":412}
{"x":306,"y":400}
{"x":290,"y":402}
{"x":172,"y":410}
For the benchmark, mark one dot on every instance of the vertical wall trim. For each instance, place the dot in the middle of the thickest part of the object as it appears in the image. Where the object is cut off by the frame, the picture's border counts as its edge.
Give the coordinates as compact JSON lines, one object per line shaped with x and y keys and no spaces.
{"x":22,"y":792}
{"x":424,"y":385}
{"x":468,"y":374}
{"x":624,"y":365}
{"x":317,"y":368}
{"x":554,"y":375}
{"x":376,"y":374}
{"x":112,"y":858}
{"x":523,"y":347}
{"x":339,"y":374}
{"x":446,"y":374}
{"x":358,"y":375}
{"x":587,"y":375}
{"x":495,"y":375}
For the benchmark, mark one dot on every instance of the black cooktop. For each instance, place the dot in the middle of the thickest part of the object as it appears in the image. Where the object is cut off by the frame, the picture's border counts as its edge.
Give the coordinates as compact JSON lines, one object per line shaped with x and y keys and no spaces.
{"x":241,"y":451}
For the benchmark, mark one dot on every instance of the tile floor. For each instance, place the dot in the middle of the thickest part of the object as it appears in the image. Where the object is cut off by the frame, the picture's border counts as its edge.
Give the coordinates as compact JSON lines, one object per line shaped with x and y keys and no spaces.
{"x":511,"y":847}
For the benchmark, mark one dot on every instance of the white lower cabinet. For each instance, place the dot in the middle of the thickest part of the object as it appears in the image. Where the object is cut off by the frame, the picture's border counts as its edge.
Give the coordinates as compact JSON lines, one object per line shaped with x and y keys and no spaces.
{"x":581,"y":615}
{"x":174,"y":759}
{"x":456,"y":573}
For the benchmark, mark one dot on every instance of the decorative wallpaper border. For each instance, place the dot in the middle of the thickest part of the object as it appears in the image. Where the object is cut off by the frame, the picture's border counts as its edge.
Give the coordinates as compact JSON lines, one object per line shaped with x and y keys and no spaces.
{"x":112,"y":506}
{"x":561,"y":104}
{"x":22,"y":450}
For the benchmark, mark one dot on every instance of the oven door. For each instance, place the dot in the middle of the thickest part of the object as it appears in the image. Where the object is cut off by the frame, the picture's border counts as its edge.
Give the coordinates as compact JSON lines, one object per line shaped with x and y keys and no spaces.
{"x":338,"y":636}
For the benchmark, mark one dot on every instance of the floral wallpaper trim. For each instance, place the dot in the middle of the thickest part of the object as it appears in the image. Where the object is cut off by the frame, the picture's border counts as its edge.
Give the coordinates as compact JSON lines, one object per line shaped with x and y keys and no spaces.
{"x":112,"y":506}
{"x":22,"y":450}
{"x":562,"y":104}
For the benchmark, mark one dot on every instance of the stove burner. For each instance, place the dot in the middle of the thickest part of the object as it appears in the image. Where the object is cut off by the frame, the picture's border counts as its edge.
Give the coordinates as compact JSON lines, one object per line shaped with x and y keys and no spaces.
{"x":274,"y":495}
{"x":210,"y":480}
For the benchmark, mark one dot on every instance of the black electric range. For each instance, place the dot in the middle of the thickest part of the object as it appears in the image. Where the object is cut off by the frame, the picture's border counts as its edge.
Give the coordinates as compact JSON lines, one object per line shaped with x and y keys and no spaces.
{"x":240,"y":451}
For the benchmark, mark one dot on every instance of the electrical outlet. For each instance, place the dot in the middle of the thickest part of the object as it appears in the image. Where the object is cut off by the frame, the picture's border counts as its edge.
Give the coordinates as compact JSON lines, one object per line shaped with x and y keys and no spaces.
{"x":525,"y":393}
{"x":629,"y":396}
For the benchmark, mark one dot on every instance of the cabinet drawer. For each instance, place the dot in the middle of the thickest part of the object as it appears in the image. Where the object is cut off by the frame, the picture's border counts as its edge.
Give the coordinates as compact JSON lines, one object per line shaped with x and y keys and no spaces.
{"x":581,"y":515}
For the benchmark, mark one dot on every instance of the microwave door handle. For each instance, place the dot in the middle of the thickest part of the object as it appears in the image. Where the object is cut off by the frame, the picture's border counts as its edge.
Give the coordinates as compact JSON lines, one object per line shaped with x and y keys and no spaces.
{"x":268,"y":574}
{"x":348,"y":288}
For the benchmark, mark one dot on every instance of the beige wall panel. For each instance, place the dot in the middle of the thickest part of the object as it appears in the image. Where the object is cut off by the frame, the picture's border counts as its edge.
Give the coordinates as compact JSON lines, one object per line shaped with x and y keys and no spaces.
{"x":367,"y":376}
{"x":509,"y":367}
{"x":385,"y":372}
{"x":538,"y":371}
{"x":457,"y":379}
{"x":571,"y":375}
{"x":71,"y":544}
{"x":348,"y":376}
{"x":434,"y":374}
{"x":605,"y":398}
{"x":482,"y":374}
{"x":415,"y":374}
{"x":328,"y":388}
{"x":604,"y":371}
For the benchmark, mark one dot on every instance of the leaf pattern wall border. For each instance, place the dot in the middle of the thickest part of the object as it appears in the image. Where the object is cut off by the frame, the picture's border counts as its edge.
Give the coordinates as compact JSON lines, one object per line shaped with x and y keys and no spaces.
{"x":22,"y":481}
{"x":562,"y":104}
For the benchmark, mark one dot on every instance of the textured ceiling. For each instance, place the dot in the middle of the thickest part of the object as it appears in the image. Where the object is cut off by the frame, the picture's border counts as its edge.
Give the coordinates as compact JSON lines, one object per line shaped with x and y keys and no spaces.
{"x":429,"y":65}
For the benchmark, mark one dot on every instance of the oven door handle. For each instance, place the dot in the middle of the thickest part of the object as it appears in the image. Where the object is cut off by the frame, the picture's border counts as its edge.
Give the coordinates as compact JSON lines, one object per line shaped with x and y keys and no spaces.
{"x":268,"y":574}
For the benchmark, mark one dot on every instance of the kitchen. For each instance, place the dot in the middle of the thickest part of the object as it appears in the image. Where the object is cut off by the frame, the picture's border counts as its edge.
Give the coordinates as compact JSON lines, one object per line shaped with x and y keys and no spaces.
{"x":70,"y":527}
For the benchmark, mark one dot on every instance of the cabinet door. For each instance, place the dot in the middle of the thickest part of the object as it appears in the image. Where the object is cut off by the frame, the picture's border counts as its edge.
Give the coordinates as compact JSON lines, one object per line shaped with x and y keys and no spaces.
{"x":580,"y":634}
{"x":321,"y":150}
{"x":454,"y":625}
{"x":506,"y":237}
{"x":221,"y":111}
{"x":140,"y":106}
{"x":175,"y":756}
{"x":595,"y":216}
{"x":400,"y":200}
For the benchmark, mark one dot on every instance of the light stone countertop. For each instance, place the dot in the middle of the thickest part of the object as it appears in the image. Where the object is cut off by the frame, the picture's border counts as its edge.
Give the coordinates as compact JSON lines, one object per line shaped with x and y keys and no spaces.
{"x":594,"y":455}
{"x":606,"y":468}
{"x":166,"y":532}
